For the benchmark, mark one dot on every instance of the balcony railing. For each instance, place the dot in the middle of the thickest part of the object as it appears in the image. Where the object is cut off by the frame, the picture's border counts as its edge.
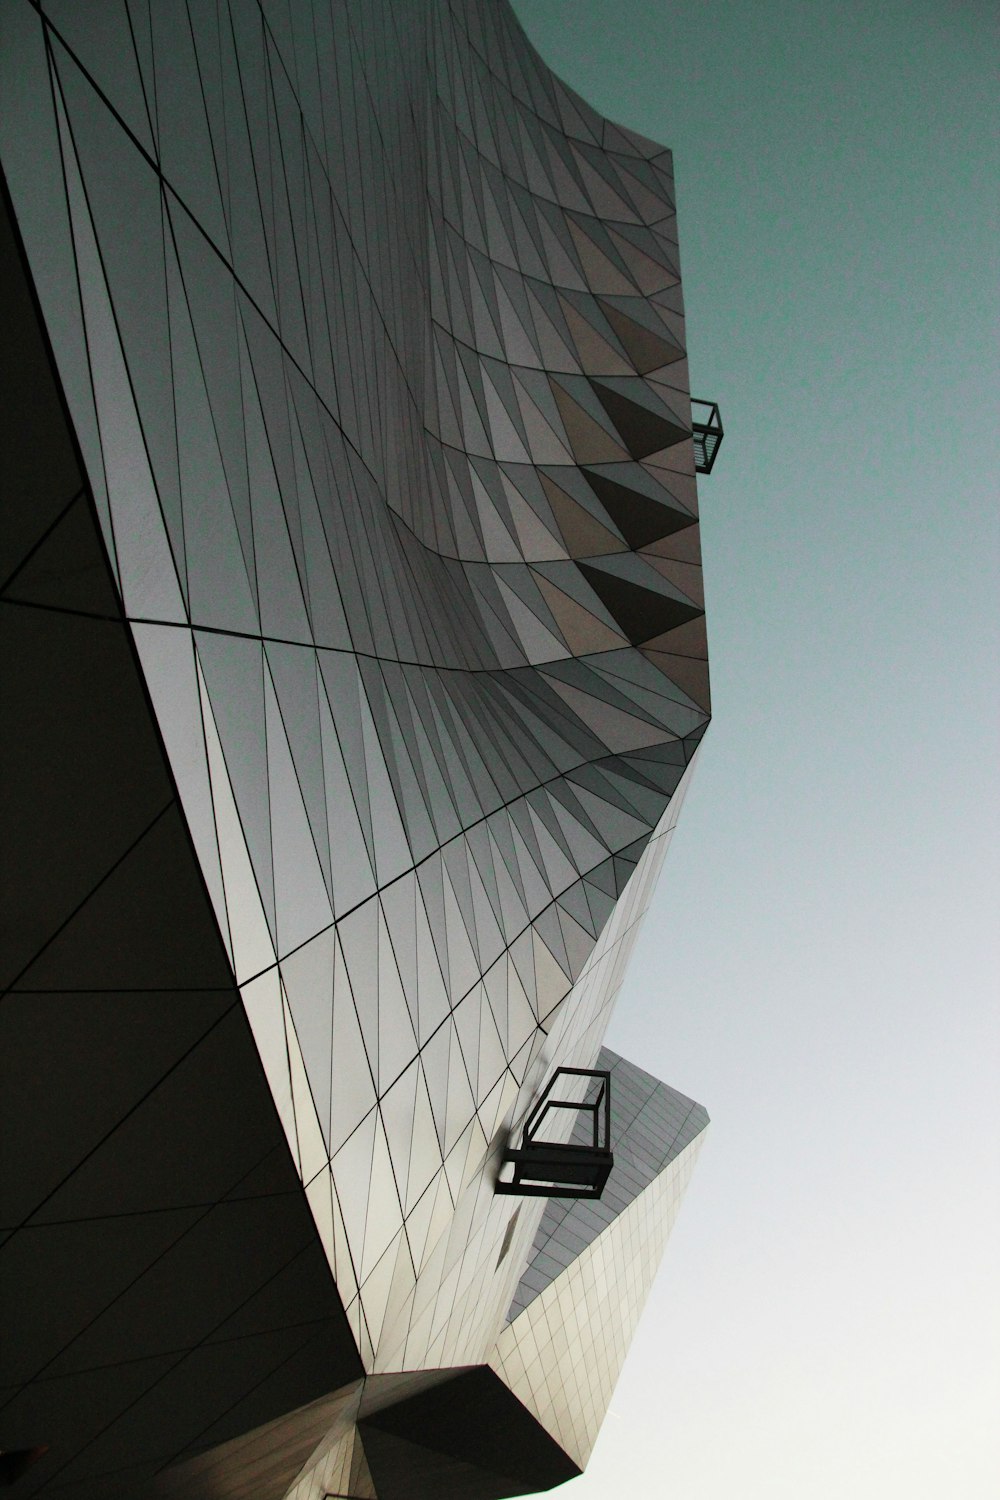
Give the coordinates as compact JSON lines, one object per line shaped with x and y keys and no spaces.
{"x":706,"y":428}
{"x":551,"y":1169}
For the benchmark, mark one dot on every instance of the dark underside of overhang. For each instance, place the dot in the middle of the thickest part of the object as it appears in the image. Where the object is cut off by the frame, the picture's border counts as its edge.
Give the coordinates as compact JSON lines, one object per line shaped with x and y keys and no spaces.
{"x":162,"y":1283}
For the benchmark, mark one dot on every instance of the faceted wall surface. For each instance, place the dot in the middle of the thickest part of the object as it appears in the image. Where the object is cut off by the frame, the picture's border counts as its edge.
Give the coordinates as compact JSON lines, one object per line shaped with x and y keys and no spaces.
{"x":371,"y":336}
{"x":163,"y":1287}
{"x":562,"y":1356}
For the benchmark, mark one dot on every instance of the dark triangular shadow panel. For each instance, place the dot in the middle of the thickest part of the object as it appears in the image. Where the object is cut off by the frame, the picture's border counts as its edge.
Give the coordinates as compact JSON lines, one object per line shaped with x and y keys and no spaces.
{"x":403,"y":1470}
{"x":129,"y":933}
{"x":35,"y":1072}
{"x":640,"y":519}
{"x":647,"y":350}
{"x":83,"y":775}
{"x":67,"y":568}
{"x":639,"y":612}
{"x":31,"y":419}
{"x":469,"y":1428}
{"x":642,"y":431}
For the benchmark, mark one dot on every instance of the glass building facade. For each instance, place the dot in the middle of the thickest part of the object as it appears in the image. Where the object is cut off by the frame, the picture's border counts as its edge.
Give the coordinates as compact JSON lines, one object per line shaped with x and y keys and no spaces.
{"x":355,"y":653}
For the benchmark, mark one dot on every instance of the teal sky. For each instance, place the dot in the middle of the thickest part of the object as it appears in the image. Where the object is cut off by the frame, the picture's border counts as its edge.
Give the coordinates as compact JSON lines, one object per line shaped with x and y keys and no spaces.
{"x":821,"y":965}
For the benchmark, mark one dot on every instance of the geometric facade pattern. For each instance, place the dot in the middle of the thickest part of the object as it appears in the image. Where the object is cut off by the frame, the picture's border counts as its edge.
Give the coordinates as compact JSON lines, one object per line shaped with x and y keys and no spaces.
{"x":360,"y":501}
{"x":563,"y":1354}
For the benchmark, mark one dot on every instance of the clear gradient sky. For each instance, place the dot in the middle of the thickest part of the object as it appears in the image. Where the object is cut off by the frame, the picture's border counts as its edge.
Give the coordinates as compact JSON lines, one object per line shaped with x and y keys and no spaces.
{"x":821,"y":965}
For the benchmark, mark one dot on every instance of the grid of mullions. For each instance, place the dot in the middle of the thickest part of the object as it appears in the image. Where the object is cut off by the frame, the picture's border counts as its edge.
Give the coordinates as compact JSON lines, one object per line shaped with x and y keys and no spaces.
{"x":373,"y":338}
{"x":563,"y":1354}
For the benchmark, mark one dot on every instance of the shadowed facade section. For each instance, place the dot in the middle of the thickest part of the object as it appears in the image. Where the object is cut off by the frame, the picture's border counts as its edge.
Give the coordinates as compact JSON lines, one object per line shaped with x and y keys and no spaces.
{"x":163,"y":1283}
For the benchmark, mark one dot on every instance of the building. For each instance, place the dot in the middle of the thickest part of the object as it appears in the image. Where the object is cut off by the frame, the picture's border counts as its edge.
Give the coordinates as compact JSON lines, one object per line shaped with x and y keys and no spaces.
{"x":355,"y":662}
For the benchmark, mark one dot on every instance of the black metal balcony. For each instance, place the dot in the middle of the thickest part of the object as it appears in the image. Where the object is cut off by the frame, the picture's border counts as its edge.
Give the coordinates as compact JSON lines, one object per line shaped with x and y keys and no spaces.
{"x":552,"y":1169}
{"x":706,"y":428}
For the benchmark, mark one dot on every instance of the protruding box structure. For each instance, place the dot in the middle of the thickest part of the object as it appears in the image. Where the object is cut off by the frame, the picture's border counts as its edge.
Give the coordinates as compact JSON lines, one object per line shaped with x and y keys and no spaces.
{"x":579,"y":1168}
{"x":706,"y":428}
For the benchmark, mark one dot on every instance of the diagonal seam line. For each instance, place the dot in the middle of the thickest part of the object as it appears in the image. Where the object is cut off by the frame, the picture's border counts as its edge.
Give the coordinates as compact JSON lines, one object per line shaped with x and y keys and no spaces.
{"x":25,"y":560}
{"x":143,"y":1394}
{"x":175,"y":1458}
{"x":183,"y":1234}
{"x":62,"y":609}
{"x":89,"y":896}
{"x":26,"y":1221}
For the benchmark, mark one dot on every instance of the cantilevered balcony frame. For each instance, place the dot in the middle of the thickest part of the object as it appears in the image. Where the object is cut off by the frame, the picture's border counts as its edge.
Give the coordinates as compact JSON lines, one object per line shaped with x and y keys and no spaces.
{"x":550,"y":1169}
{"x":706,"y":429}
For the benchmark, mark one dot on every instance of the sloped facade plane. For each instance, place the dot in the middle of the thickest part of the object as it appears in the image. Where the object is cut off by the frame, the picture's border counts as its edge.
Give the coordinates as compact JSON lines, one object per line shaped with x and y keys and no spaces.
{"x":354,"y":636}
